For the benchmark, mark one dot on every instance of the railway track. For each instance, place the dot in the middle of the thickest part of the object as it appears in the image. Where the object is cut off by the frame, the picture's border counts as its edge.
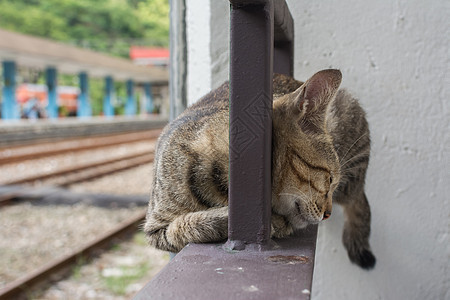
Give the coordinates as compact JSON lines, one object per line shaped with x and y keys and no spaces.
{"x":7,"y":198}
{"x":75,"y":174}
{"x":23,"y":153}
{"x":89,"y":171}
{"x":19,"y":288}
{"x":60,"y":267}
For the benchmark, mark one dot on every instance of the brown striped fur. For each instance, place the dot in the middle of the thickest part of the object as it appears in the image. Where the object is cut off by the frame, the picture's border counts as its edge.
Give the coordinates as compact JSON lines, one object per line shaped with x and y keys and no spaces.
{"x":320,"y":155}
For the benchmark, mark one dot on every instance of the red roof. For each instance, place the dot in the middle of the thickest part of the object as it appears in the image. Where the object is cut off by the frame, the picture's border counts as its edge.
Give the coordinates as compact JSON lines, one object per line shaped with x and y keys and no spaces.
{"x":146,"y":52}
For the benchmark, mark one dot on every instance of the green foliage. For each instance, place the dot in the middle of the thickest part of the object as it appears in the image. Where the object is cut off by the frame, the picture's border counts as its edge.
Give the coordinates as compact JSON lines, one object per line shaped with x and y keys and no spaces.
{"x":115,"y":247}
{"x":159,"y":23}
{"x":96,"y":94}
{"x":30,"y":19}
{"x":129,"y":274}
{"x":139,"y":239}
{"x":76,"y":270}
{"x":104,"y":25}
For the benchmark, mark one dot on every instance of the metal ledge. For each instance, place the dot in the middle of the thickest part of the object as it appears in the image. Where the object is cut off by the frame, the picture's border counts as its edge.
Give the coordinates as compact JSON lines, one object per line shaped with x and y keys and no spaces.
{"x":208,"y":271}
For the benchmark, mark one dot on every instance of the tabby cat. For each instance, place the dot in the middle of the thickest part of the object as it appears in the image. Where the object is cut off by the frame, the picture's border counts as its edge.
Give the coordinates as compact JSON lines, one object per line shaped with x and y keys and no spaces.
{"x":320,"y":155}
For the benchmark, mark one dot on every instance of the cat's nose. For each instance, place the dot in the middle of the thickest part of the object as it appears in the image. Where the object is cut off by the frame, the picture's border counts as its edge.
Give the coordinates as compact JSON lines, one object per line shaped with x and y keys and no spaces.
{"x":326,"y":215}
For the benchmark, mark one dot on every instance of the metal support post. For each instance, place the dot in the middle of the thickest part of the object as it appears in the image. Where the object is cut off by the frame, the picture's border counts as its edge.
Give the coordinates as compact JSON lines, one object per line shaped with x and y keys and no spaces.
{"x":283,"y":58}
{"x":108,"y":109}
{"x":283,"y":55}
{"x":84,"y":108}
{"x":52,"y":105}
{"x":130,"y":106}
{"x":251,"y":73}
{"x":148,"y":98}
{"x":10,"y":108}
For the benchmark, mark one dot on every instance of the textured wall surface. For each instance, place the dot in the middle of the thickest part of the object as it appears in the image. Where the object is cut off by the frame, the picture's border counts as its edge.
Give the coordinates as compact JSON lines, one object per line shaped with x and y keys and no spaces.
{"x":394,"y":56}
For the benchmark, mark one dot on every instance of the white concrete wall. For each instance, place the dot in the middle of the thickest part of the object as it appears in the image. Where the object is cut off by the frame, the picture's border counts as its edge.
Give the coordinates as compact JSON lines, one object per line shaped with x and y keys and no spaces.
{"x":394,"y":56}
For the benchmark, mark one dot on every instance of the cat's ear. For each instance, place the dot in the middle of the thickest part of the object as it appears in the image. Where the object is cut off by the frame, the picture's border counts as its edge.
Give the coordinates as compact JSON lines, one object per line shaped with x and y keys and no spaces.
{"x":313,"y":98}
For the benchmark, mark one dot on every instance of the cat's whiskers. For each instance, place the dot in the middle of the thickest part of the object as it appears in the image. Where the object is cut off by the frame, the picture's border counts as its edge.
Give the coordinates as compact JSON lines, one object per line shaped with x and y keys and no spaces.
{"x":354,"y":143}
{"x":301,"y":193}
{"x":297,"y":193}
{"x":354,"y":157}
{"x":348,"y":176}
{"x":292,"y":195}
{"x":309,"y":183}
{"x":348,"y":171}
{"x":299,"y":197}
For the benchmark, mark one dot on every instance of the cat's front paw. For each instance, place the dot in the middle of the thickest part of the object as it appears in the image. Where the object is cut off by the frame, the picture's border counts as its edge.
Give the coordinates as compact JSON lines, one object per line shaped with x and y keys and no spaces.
{"x":280,"y":227}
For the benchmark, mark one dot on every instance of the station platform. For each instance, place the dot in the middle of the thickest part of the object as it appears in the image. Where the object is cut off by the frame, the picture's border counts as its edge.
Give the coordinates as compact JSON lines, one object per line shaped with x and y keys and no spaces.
{"x":20,"y":132}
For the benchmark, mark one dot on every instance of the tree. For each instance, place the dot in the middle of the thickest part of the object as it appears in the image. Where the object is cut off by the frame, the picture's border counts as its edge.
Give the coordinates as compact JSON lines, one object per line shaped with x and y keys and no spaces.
{"x":109,"y":26}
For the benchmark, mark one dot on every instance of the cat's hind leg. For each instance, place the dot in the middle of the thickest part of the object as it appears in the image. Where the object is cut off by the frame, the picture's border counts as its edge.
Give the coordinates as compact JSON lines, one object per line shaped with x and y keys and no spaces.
{"x":196,"y":227}
{"x":357,"y":231}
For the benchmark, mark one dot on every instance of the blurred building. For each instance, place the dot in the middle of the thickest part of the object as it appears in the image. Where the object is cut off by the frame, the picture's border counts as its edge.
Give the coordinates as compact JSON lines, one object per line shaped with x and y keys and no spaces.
{"x":148,"y":56}
{"x":33,"y":98}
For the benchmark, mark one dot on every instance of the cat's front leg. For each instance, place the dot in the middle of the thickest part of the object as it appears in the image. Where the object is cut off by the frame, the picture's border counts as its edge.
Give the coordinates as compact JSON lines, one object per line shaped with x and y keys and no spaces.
{"x":280,"y":226}
{"x":198,"y":227}
{"x":357,"y":231}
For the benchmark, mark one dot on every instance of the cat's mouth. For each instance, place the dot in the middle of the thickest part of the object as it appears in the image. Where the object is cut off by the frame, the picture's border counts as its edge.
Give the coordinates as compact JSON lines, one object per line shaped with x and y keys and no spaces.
{"x":297,"y":219}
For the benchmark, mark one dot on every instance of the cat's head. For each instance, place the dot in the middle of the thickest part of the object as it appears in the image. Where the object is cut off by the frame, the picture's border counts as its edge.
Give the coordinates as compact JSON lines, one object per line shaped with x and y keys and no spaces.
{"x":305,"y":164}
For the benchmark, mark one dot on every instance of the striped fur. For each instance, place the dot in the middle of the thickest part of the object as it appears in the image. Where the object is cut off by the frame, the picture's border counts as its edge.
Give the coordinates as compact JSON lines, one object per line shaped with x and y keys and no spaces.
{"x":320,"y":155}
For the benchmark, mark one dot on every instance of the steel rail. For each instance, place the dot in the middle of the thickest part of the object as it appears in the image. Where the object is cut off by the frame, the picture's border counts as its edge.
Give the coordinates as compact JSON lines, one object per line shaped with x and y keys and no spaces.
{"x":6,"y":199}
{"x":14,"y":154}
{"x":65,"y":171}
{"x":20,"y":287}
{"x":118,"y":166}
